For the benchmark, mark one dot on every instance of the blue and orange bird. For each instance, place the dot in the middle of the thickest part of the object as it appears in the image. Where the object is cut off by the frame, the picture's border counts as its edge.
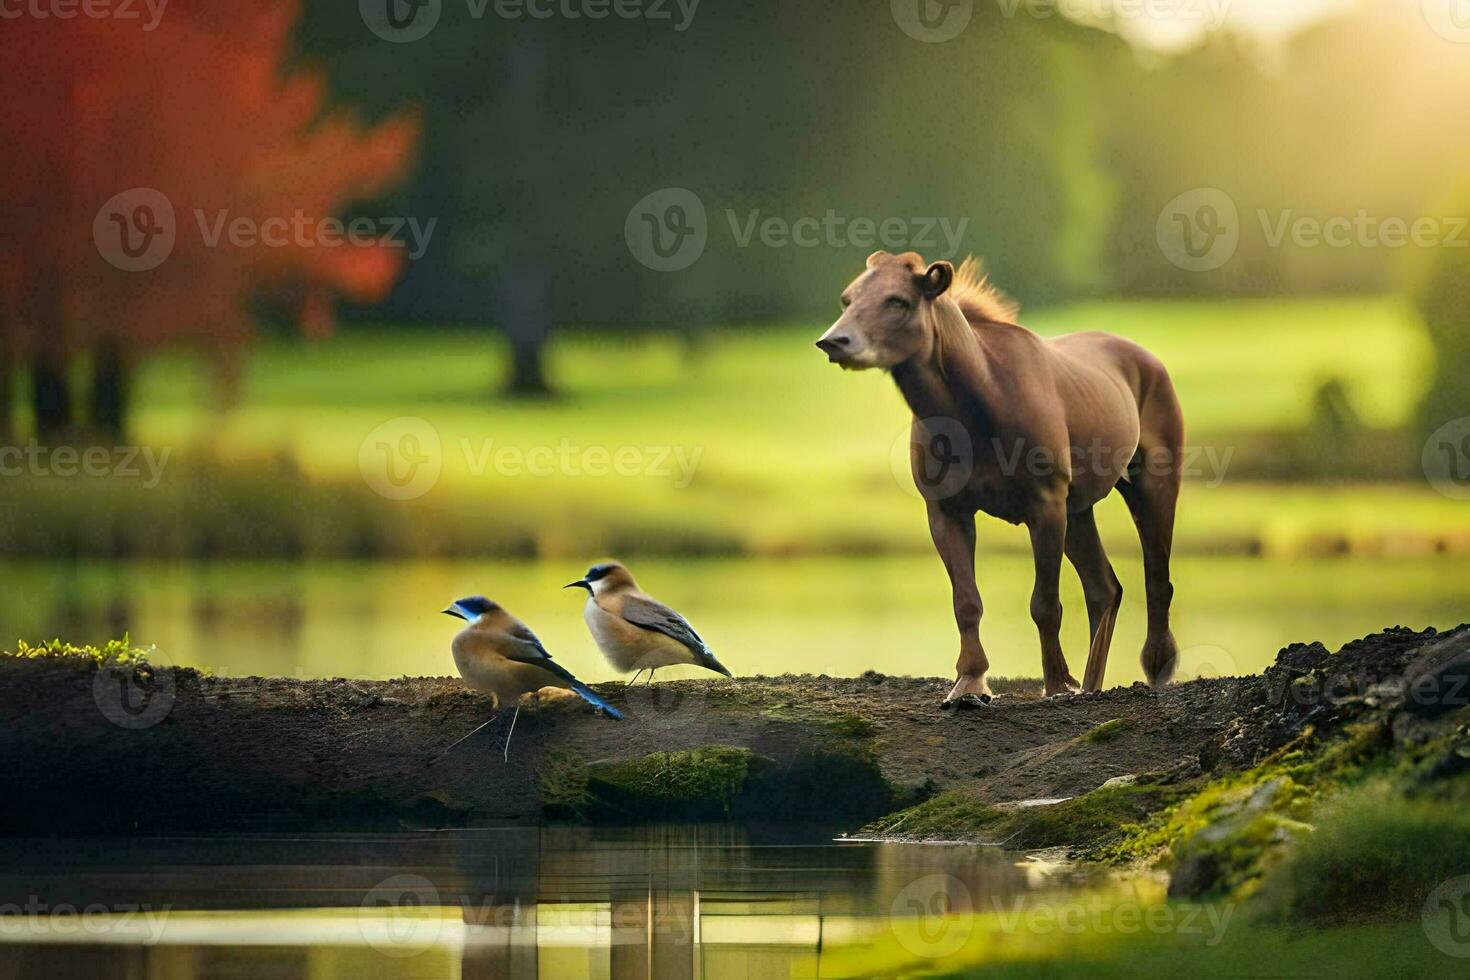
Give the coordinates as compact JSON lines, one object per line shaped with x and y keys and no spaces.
{"x":498,"y":655}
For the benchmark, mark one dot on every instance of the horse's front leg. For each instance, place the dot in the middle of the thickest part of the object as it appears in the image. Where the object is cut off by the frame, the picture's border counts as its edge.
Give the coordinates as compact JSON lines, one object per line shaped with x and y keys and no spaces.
{"x":1048,"y":527}
{"x":954,"y":538}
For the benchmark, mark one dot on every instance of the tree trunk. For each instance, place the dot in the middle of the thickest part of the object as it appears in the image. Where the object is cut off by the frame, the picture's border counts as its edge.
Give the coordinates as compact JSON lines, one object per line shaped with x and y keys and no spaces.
{"x":7,"y":382}
{"x":525,"y":313}
{"x":50,"y":395}
{"x":111,"y":389}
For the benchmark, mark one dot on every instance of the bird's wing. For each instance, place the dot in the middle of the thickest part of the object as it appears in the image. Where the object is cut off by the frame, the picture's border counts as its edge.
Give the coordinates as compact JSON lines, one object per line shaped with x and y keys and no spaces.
{"x":642,"y":611}
{"x":525,"y":647}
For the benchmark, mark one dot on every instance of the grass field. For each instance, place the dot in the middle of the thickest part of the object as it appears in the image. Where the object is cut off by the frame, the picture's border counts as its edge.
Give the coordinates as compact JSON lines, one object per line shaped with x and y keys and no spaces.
{"x":754,"y":444}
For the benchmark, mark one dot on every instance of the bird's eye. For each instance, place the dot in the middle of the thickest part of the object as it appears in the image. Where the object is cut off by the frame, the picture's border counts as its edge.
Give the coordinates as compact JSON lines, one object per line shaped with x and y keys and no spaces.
{"x":897,"y":302}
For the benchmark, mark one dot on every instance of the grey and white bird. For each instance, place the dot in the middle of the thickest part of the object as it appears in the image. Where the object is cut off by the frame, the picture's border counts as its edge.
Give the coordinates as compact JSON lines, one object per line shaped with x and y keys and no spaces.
{"x":498,"y":655}
{"x":634,"y":631}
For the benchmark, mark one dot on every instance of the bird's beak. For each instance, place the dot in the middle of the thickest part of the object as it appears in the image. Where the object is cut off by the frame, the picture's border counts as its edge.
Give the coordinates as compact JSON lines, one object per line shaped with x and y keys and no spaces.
{"x":453,"y":611}
{"x":581,"y":583}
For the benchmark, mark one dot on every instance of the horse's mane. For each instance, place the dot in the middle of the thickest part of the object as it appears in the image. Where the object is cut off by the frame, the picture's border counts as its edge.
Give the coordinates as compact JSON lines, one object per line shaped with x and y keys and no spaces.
{"x":978,"y":299}
{"x":969,"y":302}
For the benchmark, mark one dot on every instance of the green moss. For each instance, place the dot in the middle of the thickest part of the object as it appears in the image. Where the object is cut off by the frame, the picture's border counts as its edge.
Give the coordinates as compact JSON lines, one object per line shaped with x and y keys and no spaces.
{"x":954,"y":815}
{"x":1227,"y":838}
{"x":1108,"y":730}
{"x":116,"y":653}
{"x":562,"y":780}
{"x":1091,"y":821}
{"x":700,"y":778}
{"x":850,"y":724}
{"x":1094,"y":820}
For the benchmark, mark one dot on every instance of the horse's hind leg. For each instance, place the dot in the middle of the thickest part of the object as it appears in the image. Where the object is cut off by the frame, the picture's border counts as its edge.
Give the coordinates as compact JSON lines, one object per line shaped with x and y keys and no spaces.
{"x":1100,"y":587}
{"x":1151,"y":491}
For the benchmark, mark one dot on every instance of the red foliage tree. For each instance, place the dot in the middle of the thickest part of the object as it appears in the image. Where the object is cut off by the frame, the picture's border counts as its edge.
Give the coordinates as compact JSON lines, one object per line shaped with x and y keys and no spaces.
{"x":203,"y":114}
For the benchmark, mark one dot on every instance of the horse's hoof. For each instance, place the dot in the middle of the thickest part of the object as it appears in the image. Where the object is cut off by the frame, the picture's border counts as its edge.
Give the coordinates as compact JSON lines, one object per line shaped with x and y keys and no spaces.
{"x":966,"y":702}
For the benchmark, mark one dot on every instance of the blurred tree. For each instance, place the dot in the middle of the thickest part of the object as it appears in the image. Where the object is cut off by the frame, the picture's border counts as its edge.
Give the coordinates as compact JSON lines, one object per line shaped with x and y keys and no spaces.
{"x":546,"y":132}
{"x":125,"y":140}
{"x":1346,"y":119}
{"x":1442,"y":298}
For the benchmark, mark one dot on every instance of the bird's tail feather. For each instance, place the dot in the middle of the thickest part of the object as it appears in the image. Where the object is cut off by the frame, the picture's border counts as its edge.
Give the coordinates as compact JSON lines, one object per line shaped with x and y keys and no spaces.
{"x":595,"y":699}
{"x":707,"y":659}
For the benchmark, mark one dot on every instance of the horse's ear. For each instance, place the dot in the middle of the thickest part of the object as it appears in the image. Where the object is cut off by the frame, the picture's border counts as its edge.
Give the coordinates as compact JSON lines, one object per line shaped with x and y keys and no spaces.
{"x":873,"y":259}
{"x":936,"y":279}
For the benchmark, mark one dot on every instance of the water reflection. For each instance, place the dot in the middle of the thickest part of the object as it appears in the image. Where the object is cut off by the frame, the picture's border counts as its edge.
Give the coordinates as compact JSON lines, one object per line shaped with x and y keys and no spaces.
{"x":523,"y":902}
{"x":838,"y":616}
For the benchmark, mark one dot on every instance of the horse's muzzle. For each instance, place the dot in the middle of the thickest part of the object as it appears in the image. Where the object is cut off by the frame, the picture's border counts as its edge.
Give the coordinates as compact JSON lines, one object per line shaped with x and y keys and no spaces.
{"x":837,"y":349}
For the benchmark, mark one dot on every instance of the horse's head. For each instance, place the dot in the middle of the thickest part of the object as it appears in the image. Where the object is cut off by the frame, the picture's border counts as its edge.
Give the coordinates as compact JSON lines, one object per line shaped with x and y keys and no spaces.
{"x":886,"y":317}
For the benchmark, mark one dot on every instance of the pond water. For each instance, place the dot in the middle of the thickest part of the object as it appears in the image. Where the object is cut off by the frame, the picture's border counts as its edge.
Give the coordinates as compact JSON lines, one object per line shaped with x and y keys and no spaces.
{"x":567,"y":903}
{"x":838,"y":616}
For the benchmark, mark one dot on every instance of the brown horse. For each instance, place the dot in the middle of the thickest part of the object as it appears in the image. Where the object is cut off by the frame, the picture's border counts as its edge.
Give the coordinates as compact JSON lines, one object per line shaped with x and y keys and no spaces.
{"x":1033,"y":431}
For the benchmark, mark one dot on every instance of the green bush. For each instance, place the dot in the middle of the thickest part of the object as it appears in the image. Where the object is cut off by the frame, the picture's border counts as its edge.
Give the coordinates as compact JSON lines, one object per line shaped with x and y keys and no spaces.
{"x":1375,"y":854}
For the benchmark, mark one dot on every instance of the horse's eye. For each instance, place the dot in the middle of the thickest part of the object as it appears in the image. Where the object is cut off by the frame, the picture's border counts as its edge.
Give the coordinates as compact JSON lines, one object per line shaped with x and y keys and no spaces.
{"x":898,"y":302}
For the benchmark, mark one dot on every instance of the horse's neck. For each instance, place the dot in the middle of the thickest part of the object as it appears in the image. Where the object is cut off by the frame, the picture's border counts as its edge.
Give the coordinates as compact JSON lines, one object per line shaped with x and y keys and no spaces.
{"x":958,"y":391}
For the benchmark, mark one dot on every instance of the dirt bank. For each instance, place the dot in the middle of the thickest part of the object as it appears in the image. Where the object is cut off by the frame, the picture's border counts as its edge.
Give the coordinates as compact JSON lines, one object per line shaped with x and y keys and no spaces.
{"x":91,"y":748}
